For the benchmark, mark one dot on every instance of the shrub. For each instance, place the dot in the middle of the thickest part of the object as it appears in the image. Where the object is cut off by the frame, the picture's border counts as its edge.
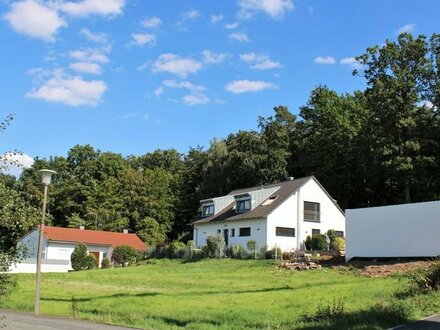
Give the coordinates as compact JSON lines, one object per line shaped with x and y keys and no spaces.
{"x":424,"y":280}
{"x":124,"y":255}
{"x":177,"y":249}
{"x":339,"y":244}
{"x":215,"y":245}
{"x":332,"y":236}
{"x":308,"y":243}
{"x":105,"y":263}
{"x":331,"y":311}
{"x":90,"y":262}
{"x":190,"y":247}
{"x":238,"y":252}
{"x":78,"y":258}
{"x":270,"y":254}
{"x":319,"y":242}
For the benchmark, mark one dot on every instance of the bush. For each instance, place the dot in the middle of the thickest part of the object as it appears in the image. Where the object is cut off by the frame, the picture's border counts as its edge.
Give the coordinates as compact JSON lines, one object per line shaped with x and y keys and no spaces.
{"x":215,"y":245}
{"x":105,"y":263}
{"x":332,"y":236}
{"x":319,"y":242}
{"x":176,"y":249}
{"x":270,"y":254}
{"x":331,"y":311}
{"x":308,"y":243}
{"x":124,"y":255}
{"x":238,"y":252}
{"x":78,"y":258}
{"x":339,"y":244}
{"x":90,"y":262}
{"x":425,"y":280}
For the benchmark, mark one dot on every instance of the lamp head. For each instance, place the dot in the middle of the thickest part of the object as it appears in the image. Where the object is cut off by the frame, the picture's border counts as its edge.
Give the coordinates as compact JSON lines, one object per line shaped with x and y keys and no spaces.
{"x":46,"y":176}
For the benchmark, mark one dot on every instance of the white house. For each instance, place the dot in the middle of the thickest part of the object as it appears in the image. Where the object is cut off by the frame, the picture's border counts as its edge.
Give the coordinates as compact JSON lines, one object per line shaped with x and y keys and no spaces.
{"x":281,"y":214}
{"x":408,"y":230}
{"x":59,"y":243}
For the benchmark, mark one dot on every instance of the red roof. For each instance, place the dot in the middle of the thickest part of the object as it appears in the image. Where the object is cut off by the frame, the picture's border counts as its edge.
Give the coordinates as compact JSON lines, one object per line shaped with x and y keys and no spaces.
{"x":93,"y":237}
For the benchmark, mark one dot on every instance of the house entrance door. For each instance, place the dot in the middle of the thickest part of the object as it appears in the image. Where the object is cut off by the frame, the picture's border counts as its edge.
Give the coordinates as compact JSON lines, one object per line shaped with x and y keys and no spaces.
{"x":226,"y":236}
{"x":96,"y":255}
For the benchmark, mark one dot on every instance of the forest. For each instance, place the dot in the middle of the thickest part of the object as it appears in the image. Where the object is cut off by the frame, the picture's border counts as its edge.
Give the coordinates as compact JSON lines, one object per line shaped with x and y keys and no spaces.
{"x":369,"y":147}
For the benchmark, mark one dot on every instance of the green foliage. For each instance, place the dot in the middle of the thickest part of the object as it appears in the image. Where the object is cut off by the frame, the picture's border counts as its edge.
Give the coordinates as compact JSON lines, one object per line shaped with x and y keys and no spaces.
{"x":105,"y":263}
{"x":124,"y":255}
{"x":78,"y":258}
{"x":425,"y":280}
{"x":90,"y":262}
{"x":238,"y":252}
{"x":215,"y":245}
{"x":75,"y":221}
{"x":319,"y":242}
{"x":177,"y":249}
{"x":152,"y":232}
{"x":339,"y":244}
{"x":308,"y":243}
{"x":332,"y":236}
{"x":271,"y":254}
{"x":327,"y":312}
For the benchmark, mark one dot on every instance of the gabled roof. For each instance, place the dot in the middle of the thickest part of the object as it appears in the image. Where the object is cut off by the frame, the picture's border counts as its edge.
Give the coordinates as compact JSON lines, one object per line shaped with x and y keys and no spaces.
{"x":95,"y":237}
{"x":286,"y":189}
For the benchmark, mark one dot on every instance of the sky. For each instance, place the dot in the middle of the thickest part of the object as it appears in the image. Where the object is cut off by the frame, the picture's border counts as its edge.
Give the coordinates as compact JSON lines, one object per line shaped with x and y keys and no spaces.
{"x":133,"y":76}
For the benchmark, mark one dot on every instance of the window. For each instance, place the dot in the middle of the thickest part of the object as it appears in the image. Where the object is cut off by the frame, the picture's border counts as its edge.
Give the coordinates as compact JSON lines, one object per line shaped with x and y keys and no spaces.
{"x":269,"y":201}
{"x":207,"y":209}
{"x":284,"y":231}
{"x":243,"y":204}
{"x":339,"y":233}
{"x":232,"y":232}
{"x":315,"y":232}
{"x":245,"y":231}
{"x":311,"y":212}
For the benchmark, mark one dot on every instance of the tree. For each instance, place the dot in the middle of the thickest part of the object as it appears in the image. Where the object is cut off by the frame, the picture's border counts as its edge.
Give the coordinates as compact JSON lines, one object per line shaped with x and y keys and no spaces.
{"x":124,"y":255}
{"x":78,"y":258}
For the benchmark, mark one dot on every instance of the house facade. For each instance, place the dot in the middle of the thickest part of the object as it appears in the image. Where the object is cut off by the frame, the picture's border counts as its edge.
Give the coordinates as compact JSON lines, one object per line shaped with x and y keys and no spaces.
{"x":281,"y":214}
{"x":59,"y":243}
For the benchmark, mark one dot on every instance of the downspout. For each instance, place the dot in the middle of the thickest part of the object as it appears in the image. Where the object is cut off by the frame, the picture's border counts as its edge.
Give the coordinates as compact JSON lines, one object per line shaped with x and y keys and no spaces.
{"x":195,"y":233}
{"x":298,"y":221}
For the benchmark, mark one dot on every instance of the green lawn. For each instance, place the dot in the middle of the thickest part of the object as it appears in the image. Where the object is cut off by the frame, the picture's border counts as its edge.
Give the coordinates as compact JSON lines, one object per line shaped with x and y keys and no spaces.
{"x":220,"y":294}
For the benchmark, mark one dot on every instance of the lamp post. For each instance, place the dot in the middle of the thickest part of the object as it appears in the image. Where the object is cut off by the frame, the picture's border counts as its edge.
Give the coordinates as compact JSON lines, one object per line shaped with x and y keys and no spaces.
{"x":46,"y":177}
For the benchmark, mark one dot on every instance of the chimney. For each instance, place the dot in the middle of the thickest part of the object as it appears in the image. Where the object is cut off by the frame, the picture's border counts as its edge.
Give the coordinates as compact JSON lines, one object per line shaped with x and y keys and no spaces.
{"x":81,"y":227}
{"x":125,"y":231}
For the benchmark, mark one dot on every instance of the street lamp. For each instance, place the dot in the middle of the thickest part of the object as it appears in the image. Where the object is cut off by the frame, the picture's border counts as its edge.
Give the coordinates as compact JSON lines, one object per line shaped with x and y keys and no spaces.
{"x":46,"y":177}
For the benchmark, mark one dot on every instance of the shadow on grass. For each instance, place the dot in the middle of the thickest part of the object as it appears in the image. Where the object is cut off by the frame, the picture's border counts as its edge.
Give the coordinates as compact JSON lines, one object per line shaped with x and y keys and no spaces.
{"x":377,"y":317}
{"x":116,"y":295}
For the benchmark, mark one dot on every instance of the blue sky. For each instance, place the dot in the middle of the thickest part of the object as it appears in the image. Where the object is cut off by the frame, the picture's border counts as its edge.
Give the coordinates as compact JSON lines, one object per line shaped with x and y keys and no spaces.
{"x":131,"y":76}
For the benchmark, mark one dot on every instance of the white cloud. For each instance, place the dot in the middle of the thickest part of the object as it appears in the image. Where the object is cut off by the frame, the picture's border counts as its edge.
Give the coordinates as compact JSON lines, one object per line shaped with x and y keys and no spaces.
{"x":239,"y":36}
{"x":151,"y":22}
{"x":159,"y":91}
{"x":350,"y":61}
{"x":427,"y":104}
{"x":409,"y":28}
{"x":231,"y":26}
{"x":189,"y":15}
{"x":325,"y":60}
{"x":93,"y":7}
{"x":141,"y":39}
{"x":32,"y":18}
{"x":95,"y":37}
{"x":176,"y":65}
{"x":14,"y":162}
{"x":73,"y":91}
{"x":274,"y":8}
{"x":244,"y":86}
{"x":196,"y":95}
{"x":216,"y":18}
{"x":88,"y":55}
{"x":209,"y":57}
{"x":259,"y":61}
{"x":86,"y":67}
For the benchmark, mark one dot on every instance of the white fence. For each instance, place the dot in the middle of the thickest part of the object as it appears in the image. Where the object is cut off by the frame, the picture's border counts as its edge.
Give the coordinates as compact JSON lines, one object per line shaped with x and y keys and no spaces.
{"x":408,"y":230}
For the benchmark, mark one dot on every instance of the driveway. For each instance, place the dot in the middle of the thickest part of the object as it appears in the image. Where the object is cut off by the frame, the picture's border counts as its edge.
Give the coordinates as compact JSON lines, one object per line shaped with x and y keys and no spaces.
{"x":430,"y":323}
{"x":18,"y":320}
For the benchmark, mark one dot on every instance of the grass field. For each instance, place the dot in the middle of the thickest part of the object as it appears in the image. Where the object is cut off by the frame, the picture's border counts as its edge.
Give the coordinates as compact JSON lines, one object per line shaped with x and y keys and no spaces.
{"x":221,"y":294}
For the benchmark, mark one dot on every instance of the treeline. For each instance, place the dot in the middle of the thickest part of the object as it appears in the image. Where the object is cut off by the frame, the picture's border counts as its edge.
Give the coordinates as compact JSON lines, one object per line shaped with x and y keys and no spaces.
{"x":372,"y":147}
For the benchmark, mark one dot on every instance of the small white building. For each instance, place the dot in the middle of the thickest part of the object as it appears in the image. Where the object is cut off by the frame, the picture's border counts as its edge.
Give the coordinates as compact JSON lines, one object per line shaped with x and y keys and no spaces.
{"x":59,"y":243}
{"x":408,"y":230}
{"x":281,"y":214}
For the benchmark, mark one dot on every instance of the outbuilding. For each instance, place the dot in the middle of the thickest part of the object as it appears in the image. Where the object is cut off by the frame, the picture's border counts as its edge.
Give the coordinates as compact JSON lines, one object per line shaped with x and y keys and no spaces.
{"x":396,"y":231}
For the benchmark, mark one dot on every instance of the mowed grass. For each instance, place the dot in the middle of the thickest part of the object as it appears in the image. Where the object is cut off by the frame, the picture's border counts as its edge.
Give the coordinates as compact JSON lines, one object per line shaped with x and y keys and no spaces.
{"x":218,"y":294}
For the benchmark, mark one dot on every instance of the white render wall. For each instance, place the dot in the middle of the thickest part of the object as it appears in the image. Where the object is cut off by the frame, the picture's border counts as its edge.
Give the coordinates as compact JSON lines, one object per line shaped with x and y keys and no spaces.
{"x":47,"y":266}
{"x":330,"y":218}
{"x":258,"y":231}
{"x":409,"y":230}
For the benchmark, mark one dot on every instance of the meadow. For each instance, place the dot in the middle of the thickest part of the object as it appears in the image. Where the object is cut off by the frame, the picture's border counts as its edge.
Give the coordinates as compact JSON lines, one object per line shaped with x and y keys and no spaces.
{"x":224,"y":294}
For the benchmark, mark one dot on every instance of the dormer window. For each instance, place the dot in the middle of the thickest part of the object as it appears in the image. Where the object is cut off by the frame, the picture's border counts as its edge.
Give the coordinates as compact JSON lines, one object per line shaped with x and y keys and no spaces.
{"x":243,"y":203}
{"x":207,"y":209}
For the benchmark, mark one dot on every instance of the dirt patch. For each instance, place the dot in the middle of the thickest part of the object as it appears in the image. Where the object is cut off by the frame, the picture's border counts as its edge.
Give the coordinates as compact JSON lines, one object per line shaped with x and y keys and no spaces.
{"x":383,"y":269}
